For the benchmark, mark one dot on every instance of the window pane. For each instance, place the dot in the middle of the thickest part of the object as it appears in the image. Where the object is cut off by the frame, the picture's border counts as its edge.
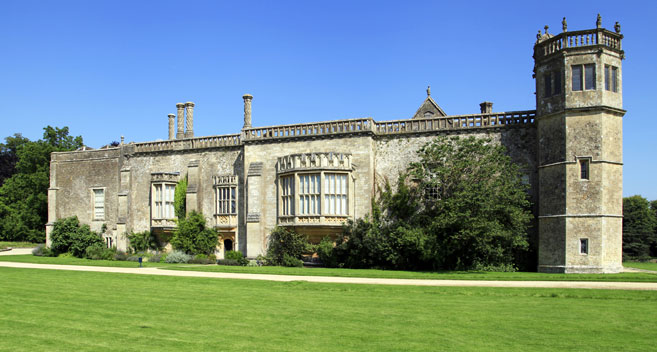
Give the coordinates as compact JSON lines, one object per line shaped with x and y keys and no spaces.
{"x":607,"y":78}
{"x":547,"y":87}
{"x":614,"y":79}
{"x":577,"y":77}
{"x":590,"y":76}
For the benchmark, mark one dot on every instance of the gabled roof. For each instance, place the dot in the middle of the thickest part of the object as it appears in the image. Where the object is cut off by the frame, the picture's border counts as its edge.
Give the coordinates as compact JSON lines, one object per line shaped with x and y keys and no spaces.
{"x":429,"y":108}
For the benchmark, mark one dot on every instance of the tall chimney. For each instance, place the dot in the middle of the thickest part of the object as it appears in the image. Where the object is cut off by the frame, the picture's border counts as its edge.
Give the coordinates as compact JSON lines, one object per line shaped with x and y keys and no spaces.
{"x":247,"y":110}
{"x":189,"y":132}
{"x":181,"y":122}
{"x":172,"y":127}
{"x":486,"y":107}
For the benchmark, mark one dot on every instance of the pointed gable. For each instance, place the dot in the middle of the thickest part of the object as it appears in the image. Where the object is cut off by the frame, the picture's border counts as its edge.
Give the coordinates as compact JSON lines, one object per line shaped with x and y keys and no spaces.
{"x":429,"y":108}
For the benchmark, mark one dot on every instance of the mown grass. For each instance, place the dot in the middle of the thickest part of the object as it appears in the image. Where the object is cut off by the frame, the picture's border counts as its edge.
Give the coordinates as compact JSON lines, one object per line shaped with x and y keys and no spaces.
{"x":641,"y":265}
{"x":392,"y":274}
{"x":4,"y":245}
{"x":83,"y":311}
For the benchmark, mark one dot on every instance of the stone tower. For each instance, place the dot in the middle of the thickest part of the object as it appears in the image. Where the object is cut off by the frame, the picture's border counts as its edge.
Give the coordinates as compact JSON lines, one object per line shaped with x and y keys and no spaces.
{"x":579,"y":108}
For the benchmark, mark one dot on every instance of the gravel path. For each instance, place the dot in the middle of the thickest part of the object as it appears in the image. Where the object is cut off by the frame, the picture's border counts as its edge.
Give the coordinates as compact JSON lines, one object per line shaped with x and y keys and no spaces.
{"x":347,"y":280}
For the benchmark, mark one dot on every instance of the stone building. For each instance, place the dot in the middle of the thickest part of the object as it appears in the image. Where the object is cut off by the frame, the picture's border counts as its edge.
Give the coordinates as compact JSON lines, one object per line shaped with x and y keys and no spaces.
{"x":315,"y":176}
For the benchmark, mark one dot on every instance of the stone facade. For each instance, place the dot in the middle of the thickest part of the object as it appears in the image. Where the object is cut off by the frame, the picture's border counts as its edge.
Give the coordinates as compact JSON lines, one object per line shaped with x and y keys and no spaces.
{"x":315,"y":176}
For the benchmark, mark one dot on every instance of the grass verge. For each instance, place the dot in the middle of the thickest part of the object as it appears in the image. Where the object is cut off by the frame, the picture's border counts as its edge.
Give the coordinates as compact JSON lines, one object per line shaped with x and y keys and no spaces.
{"x":370,"y":273}
{"x":61,"y":310}
{"x":4,"y":245}
{"x":641,"y":265}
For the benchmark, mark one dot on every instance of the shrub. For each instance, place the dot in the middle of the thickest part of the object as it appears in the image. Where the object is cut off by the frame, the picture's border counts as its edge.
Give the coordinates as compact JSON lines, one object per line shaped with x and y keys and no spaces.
{"x":237,"y":257}
{"x":230,"y":262}
{"x":191,"y":235}
{"x":325,"y":253}
{"x":291,"y":261}
{"x":142,"y":241}
{"x":253,"y":263}
{"x":180,"y":198}
{"x":204,"y":259}
{"x":120,"y":255}
{"x":42,"y":251}
{"x":69,"y":236}
{"x":155,"y":258}
{"x":286,"y":243}
{"x":99,"y":252}
{"x":178,"y":257}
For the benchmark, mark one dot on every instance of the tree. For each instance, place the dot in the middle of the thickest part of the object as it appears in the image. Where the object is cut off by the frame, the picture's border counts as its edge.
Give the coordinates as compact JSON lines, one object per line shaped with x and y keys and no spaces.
{"x":639,"y":225}
{"x":9,"y":155}
{"x":180,"y":199}
{"x":286,"y":247}
{"x":192,"y":237}
{"x":24,"y":195}
{"x":463,"y":206}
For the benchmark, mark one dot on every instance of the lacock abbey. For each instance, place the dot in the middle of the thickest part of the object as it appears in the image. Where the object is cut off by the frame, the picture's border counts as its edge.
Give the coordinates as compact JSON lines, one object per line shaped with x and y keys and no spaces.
{"x":314,"y":176}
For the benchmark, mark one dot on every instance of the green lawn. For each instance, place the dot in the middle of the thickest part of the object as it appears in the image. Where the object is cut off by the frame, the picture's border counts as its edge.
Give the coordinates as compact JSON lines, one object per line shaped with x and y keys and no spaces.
{"x":4,"y":245}
{"x":451,"y":275}
{"x":83,"y":311}
{"x":641,"y":265}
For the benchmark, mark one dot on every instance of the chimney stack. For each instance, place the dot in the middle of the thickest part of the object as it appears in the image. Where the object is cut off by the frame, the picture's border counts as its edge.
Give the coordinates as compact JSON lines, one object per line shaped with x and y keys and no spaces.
{"x":486,"y":107}
{"x":247,"y":110}
{"x":172,"y":127}
{"x":189,"y":132}
{"x":181,"y":122}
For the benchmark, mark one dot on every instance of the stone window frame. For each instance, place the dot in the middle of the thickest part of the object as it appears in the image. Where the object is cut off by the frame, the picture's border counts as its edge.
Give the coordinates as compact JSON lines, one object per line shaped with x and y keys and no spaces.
{"x":163,"y":185}
{"x":222,"y":183}
{"x":582,"y":83}
{"x":94,"y":206}
{"x":292,"y":167}
{"x":296,"y":195}
{"x":584,"y":165}
{"x":163,"y":179}
{"x":611,"y":78}
{"x":584,"y":246}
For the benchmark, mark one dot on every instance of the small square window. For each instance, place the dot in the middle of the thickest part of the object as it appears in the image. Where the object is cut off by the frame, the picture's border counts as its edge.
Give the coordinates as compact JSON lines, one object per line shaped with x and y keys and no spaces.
{"x":583,"y":246}
{"x":557,"y":82}
{"x":584,"y":173}
{"x":547,"y":89}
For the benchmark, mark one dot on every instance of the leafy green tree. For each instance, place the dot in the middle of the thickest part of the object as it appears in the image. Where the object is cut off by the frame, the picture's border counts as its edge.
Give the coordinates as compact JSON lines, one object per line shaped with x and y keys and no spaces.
{"x":9,"y":155}
{"x":68,"y":235}
{"x":192,"y":237}
{"x":639,"y":226}
{"x":24,"y":195}
{"x":462,"y":206}
{"x":286,"y":247}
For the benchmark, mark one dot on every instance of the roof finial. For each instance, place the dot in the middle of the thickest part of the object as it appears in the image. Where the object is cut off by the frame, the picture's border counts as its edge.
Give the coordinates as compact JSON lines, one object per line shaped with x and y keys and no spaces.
{"x":538,"y":36}
{"x":617,"y":27}
{"x":546,"y":28}
{"x":564,"y":25}
{"x":598,"y":22}
{"x":428,"y":91}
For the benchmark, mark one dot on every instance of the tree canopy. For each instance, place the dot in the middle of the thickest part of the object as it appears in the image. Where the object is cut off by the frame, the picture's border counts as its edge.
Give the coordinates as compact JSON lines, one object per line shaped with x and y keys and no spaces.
{"x":639,"y":228}
{"x":462,"y":206}
{"x":24,"y":193}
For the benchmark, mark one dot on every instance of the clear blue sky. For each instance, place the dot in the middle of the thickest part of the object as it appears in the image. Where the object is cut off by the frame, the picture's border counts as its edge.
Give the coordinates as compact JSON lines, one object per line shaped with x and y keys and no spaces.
{"x":112,"y":68}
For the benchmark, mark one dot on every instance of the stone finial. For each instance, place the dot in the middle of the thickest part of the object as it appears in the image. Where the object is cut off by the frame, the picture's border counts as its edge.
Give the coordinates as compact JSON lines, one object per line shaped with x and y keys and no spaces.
{"x":546,"y":29}
{"x":538,"y":36}
{"x":247,"y":110}
{"x":428,"y":91}
{"x":180,"y":134}
{"x":122,"y":140}
{"x":189,"y":131}
{"x":564,"y":25}
{"x":172,"y":127}
{"x":617,"y":27}
{"x":598,"y":22}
